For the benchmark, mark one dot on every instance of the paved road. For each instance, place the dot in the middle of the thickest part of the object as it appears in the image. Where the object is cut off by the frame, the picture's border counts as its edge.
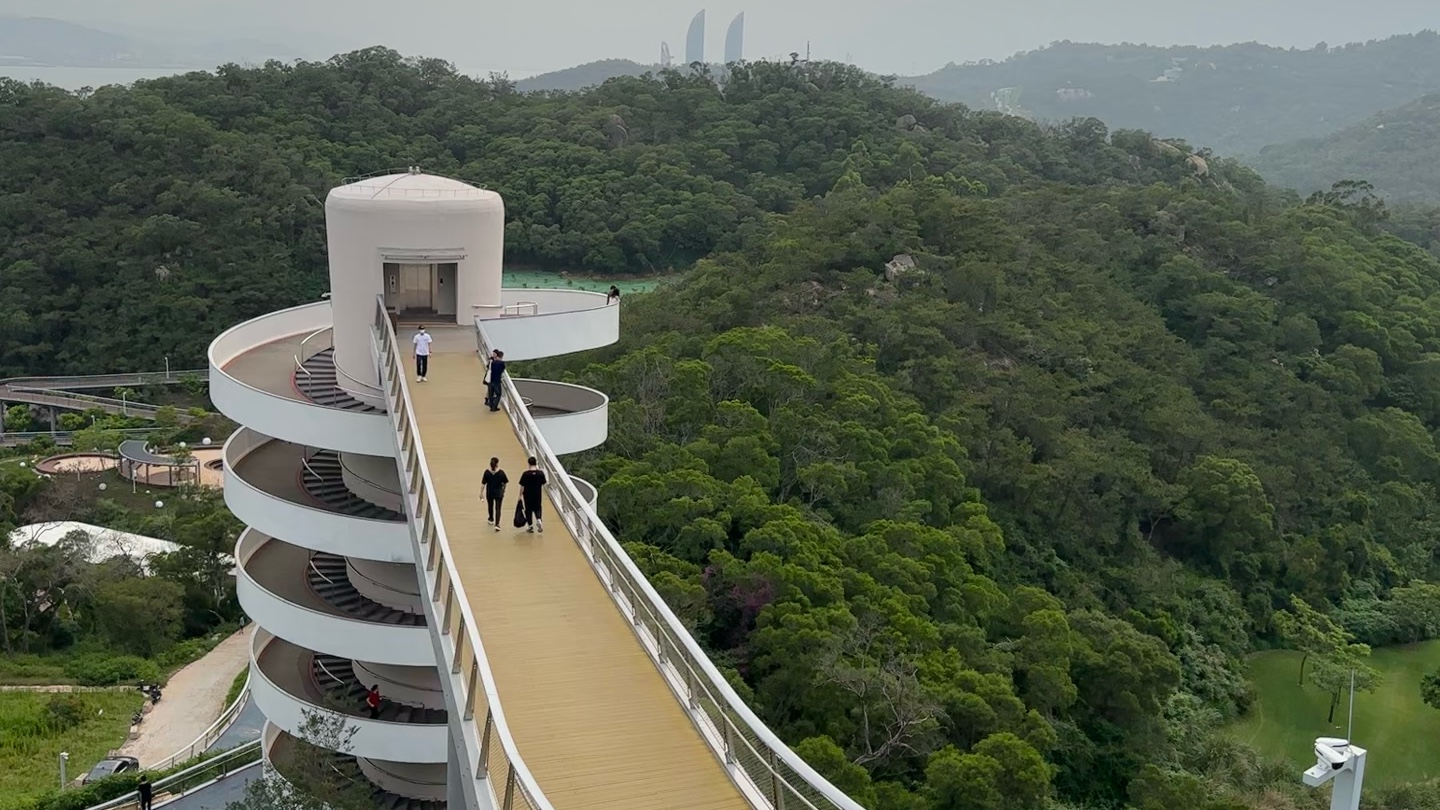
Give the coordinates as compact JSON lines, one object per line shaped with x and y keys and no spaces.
{"x":246,"y":727}
{"x":218,"y":795}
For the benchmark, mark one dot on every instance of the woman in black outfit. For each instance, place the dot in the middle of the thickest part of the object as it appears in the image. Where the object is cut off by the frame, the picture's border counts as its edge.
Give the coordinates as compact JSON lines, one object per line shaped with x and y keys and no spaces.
{"x":532,"y":482}
{"x":494,"y":481}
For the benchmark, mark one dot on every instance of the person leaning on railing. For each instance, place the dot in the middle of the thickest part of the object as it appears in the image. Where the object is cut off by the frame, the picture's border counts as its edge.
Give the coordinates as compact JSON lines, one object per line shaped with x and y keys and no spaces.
{"x":494,"y":379}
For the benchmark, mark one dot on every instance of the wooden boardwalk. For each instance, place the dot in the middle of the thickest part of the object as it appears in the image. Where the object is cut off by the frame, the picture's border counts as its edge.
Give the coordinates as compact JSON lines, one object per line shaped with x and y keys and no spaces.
{"x":590,"y":714}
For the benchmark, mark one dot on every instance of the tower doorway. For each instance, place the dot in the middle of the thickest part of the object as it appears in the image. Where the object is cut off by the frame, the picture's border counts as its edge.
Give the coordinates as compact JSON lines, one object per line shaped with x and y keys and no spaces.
{"x":417,"y":288}
{"x":420,"y":290}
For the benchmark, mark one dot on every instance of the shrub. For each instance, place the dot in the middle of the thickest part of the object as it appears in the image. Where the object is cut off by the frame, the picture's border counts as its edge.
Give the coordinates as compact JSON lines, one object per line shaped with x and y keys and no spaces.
{"x":64,"y":711}
{"x":110,"y":670}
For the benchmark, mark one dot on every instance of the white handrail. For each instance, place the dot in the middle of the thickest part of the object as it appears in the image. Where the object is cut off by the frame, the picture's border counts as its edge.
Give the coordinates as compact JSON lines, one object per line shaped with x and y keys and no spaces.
{"x":737,"y":735}
{"x":512,"y":310}
{"x":519,"y":788}
{"x":300,"y":356}
{"x":207,"y":737}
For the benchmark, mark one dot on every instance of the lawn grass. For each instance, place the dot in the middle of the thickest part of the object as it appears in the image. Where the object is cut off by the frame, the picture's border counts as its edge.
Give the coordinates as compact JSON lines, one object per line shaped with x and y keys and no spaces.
{"x":543,"y":278}
{"x":1392,"y":723}
{"x":30,"y":748}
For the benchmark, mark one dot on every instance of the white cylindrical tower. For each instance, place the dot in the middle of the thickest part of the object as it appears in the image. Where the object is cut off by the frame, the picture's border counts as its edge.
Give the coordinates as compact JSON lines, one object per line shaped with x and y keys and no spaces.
{"x":432,"y":246}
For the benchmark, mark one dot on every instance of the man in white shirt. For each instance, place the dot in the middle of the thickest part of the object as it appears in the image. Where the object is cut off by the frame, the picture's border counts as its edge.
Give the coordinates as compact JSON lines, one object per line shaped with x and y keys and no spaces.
{"x":422,"y":354}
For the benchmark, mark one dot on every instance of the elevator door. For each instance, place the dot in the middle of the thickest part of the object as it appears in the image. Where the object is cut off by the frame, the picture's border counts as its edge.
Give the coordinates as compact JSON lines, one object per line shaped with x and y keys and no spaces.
{"x":417,"y":291}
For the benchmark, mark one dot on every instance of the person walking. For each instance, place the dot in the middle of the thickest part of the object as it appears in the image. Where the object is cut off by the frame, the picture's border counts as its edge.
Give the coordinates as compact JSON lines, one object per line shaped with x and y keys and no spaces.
{"x":422,"y":354}
{"x":494,"y":481}
{"x":532,"y":485}
{"x":612,"y":297}
{"x":494,"y":378}
{"x":372,"y":701}
{"x":146,"y":791}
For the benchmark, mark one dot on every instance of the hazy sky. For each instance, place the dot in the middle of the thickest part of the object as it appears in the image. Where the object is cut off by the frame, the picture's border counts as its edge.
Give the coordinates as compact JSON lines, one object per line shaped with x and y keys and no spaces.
{"x":896,"y":36}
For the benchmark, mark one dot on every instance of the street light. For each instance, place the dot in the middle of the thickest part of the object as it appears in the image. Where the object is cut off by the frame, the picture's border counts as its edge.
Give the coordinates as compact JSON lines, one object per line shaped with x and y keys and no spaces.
{"x":64,"y":758}
{"x":159,"y":504}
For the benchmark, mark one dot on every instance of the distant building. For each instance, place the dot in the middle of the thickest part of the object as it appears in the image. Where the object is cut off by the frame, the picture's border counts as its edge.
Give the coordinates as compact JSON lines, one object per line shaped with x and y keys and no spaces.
{"x":665,"y":59}
{"x":695,"y":39}
{"x":735,"y":39}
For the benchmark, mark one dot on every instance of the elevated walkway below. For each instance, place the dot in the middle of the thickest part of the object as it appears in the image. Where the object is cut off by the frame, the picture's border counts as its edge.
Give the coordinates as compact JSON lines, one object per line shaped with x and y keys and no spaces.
{"x":591,"y":715}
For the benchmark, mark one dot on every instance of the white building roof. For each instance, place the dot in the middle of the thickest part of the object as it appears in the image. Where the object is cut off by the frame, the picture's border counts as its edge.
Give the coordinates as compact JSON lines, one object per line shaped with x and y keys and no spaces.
{"x":106,"y":543}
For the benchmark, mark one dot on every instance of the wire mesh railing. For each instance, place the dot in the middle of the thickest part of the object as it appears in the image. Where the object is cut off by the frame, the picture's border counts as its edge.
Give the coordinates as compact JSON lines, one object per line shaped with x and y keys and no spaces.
{"x":498,"y":761}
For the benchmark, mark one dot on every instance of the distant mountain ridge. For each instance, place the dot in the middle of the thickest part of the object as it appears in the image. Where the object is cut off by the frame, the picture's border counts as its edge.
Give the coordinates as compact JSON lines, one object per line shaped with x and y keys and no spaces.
{"x":586,"y":75}
{"x":1397,"y":150}
{"x":1234,"y":99}
{"x":38,"y":41}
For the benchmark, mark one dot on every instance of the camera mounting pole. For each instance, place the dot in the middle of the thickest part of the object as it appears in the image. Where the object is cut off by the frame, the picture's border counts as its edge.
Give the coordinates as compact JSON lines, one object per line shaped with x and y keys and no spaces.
{"x":1337,"y":759}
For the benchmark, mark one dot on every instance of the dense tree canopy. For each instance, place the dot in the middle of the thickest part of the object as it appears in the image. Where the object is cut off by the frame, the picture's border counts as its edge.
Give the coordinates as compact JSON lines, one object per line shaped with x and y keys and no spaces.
{"x":977,"y":453}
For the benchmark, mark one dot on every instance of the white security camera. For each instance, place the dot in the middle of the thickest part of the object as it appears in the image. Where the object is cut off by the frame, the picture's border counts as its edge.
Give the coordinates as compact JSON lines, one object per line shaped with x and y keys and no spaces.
{"x":1336,"y":757}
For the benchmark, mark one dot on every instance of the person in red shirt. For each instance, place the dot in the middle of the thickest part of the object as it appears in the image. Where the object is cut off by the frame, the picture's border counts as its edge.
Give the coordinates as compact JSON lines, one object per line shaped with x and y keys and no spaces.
{"x":372,"y":701}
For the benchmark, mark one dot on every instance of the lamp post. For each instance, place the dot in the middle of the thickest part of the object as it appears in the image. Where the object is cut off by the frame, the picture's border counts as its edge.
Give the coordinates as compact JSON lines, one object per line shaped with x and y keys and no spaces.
{"x":64,"y":758}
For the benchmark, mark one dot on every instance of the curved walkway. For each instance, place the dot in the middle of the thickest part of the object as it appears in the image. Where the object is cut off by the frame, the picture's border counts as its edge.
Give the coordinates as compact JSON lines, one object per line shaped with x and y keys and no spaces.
{"x":192,"y":700}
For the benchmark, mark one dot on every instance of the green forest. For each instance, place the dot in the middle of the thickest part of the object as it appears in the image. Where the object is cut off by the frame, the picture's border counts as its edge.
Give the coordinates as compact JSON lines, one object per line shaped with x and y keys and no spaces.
{"x":1234,"y":99}
{"x":1396,"y":150}
{"x":980,"y":454}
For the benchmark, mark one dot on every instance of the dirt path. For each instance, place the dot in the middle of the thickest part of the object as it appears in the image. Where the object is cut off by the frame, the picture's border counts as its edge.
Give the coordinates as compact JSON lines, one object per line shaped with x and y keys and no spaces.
{"x":192,"y":700}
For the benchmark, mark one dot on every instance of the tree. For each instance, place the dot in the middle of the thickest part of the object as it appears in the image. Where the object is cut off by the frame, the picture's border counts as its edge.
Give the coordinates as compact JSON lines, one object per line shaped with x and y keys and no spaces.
{"x":140,"y":615}
{"x":1308,"y":630}
{"x":1335,"y":672}
{"x":1430,"y":689}
{"x":313,"y":772}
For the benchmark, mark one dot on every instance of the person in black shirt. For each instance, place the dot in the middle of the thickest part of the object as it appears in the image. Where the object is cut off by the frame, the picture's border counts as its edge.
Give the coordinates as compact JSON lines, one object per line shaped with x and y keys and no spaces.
{"x":532,"y":483}
{"x":613,"y":297}
{"x":494,"y":481}
{"x":494,"y":379}
{"x":146,"y":791}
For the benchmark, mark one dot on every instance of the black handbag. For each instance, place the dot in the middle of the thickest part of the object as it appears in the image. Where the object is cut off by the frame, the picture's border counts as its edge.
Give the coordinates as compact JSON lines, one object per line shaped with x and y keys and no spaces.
{"x":519,"y":514}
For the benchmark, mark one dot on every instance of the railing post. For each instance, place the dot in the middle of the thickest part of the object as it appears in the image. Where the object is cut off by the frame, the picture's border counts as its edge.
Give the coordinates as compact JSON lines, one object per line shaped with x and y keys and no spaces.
{"x":472,"y":683}
{"x":483,"y":772}
{"x":449,"y":610}
{"x":510,"y":789}
{"x":729,"y":738}
{"x":459,"y":647}
{"x":690,"y":684}
{"x":777,"y":787}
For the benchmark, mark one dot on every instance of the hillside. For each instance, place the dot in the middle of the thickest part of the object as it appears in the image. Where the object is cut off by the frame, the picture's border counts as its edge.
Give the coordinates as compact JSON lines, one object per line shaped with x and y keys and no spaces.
{"x":1398,"y":151}
{"x":586,"y":75}
{"x":1234,"y":99}
{"x":41,"y":41}
{"x":989,"y":526}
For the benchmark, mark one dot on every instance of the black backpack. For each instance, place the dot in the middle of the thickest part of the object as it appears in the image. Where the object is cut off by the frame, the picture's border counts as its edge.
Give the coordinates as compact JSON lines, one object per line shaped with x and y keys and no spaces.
{"x":520,"y":514}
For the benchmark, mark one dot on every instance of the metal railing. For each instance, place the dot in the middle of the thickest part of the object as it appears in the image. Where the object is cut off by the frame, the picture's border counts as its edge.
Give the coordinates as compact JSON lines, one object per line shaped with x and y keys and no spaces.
{"x":106,"y":380}
{"x":197,"y":777}
{"x":498,"y":761}
{"x":63,"y":436}
{"x":739,"y":738}
{"x":303,"y":353}
{"x":517,"y":308}
{"x":208,"y":737}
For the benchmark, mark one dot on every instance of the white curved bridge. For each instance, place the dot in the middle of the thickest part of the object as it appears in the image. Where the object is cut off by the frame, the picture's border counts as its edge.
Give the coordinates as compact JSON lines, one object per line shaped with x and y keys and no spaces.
{"x":520,"y":671}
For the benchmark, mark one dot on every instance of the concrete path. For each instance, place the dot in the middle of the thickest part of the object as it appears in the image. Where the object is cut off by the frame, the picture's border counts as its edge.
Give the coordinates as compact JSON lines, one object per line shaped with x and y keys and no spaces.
{"x":193,"y":698}
{"x":217,"y":796}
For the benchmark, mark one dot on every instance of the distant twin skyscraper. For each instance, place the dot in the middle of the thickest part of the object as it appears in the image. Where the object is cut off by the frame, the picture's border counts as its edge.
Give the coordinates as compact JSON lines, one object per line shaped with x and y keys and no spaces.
{"x":695,"y":40}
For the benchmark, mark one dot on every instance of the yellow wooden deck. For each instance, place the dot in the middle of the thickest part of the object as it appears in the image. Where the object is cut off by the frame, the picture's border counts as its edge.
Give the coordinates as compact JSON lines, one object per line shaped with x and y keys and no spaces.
{"x":590,"y":713}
